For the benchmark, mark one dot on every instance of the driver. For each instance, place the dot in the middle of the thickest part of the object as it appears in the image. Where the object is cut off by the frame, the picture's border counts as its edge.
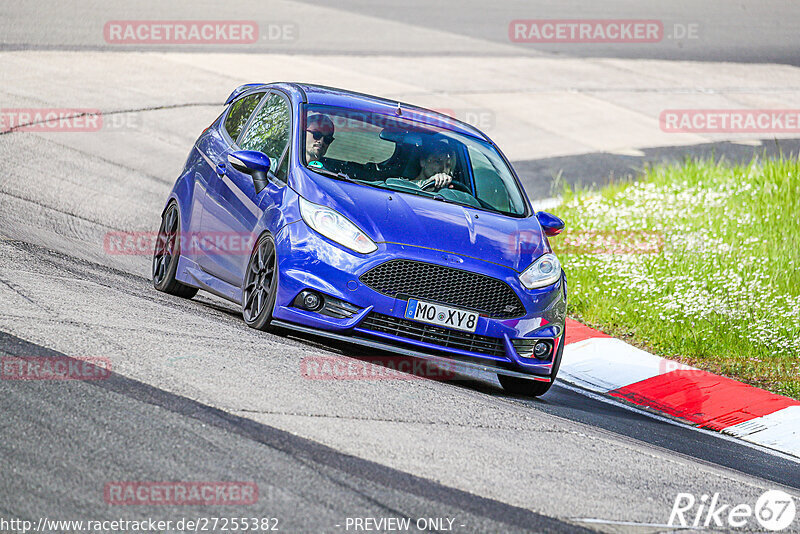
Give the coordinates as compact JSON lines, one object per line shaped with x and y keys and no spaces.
{"x":436,"y":163}
{"x":319,"y":136}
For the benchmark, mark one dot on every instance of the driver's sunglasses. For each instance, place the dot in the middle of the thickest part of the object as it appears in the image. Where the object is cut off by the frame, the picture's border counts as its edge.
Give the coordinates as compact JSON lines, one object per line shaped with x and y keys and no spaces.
{"x":319,"y":135}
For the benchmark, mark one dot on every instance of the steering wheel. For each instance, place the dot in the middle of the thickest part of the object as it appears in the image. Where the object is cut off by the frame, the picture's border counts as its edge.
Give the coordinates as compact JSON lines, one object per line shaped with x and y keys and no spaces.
{"x":430,"y":185}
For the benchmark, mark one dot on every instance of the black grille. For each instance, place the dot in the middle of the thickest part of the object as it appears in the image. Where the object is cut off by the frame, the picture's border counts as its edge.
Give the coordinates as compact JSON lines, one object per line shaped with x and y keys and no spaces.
{"x":444,"y":337}
{"x":445,"y":285}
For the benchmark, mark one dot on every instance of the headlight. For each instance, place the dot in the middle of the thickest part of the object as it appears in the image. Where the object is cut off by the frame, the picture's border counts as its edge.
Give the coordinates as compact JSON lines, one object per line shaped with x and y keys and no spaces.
{"x":544,"y":271}
{"x":336,"y":227}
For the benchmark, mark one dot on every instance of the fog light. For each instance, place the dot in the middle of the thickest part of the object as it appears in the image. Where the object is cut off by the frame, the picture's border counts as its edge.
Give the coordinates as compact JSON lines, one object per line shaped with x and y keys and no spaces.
{"x":310,"y":300}
{"x":541,"y":350}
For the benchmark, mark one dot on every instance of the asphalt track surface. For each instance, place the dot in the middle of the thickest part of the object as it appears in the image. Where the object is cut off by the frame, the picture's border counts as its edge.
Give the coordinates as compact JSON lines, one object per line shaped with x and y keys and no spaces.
{"x":64,"y":441}
{"x":197,"y":396}
{"x":146,"y":431}
{"x":716,"y":30}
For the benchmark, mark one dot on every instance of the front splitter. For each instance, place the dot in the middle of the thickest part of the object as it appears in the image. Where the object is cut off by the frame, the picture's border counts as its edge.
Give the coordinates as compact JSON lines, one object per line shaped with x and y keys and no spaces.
{"x":457,"y":364}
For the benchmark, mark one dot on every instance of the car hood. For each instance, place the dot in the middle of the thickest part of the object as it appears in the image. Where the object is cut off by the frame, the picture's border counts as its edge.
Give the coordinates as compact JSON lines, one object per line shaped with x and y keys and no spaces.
{"x":408,"y":219}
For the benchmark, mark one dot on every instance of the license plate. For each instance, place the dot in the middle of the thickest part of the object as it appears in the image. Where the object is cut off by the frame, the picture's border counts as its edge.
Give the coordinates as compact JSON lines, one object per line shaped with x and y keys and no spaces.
{"x":427,"y":312}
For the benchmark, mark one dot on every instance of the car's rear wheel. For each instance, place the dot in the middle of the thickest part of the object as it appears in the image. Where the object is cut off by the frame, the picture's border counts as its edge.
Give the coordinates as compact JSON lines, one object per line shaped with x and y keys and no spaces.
{"x":533,"y":388}
{"x":260,"y":284}
{"x":166,"y":254}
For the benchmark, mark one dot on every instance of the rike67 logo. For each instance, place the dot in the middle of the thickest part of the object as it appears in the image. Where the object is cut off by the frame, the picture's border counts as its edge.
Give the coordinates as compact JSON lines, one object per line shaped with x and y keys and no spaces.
{"x":774,"y":510}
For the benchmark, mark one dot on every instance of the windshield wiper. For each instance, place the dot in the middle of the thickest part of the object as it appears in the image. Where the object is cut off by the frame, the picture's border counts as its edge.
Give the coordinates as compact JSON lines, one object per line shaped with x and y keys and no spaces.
{"x":483,"y":205}
{"x":441,"y":198}
{"x":337,"y":175}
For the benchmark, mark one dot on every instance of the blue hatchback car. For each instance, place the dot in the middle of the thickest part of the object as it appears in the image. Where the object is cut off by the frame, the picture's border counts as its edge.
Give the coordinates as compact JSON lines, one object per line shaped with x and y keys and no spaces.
{"x":345,"y":215}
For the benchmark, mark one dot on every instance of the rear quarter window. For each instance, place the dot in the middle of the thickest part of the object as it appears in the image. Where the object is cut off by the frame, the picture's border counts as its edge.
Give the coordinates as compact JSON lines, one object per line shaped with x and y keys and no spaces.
{"x":239,"y":113}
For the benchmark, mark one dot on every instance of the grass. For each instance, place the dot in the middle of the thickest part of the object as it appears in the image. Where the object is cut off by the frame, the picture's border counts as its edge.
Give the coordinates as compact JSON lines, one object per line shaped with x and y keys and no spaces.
{"x":697,"y":262}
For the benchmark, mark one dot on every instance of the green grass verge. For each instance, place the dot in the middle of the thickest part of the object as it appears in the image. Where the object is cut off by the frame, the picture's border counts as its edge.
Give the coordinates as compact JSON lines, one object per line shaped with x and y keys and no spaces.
{"x":698,"y":262}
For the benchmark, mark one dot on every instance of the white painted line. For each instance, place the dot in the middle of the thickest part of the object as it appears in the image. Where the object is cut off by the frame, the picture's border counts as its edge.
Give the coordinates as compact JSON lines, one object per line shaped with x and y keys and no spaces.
{"x":778,"y":430}
{"x":635,"y":152}
{"x":603,"y":364}
{"x":746,"y":142}
{"x":631,"y":523}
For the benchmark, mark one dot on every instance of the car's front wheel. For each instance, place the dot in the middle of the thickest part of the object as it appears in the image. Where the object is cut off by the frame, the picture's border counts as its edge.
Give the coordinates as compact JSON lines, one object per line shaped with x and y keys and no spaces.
{"x":533,"y":388}
{"x":260,"y":284}
{"x":524,"y":386}
{"x":166,"y":254}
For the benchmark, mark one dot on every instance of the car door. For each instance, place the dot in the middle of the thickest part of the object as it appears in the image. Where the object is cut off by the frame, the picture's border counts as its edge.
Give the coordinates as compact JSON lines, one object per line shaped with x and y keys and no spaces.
{"x":214,"y":146}
{"x":235,"y":208}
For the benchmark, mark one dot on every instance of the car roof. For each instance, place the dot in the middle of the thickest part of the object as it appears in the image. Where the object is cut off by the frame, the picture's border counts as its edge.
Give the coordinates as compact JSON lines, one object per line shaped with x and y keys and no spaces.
{"x":333,"y":96}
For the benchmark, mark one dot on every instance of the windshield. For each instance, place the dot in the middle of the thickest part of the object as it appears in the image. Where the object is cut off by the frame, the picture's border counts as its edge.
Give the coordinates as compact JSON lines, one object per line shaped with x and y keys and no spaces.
{"x":410,"y":157}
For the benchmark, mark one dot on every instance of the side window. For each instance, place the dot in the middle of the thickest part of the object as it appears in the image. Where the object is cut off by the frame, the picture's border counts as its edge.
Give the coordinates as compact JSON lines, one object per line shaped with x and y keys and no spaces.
{"x":240,"y":112}
{"x":488,"y":182}
{"x":269,"y":131}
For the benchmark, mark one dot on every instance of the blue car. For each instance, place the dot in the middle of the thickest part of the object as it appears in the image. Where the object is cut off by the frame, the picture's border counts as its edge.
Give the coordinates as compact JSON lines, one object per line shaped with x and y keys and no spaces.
{"x":340,"y":214}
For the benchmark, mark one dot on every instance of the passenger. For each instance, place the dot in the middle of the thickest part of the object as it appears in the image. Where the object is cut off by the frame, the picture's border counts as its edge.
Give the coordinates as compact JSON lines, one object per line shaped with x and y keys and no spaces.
{"x":436,"y":163}
{"x":319,"y":136}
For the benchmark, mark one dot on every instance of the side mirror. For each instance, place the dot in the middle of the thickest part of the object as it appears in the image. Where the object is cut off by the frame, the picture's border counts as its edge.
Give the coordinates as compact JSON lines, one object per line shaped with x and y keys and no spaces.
{"x":551,"y":224}
{"x":251,"y":162}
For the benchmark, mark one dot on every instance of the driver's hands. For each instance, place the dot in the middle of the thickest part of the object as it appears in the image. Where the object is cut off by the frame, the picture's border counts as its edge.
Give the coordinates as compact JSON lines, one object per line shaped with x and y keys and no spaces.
{"x":441,"y":179}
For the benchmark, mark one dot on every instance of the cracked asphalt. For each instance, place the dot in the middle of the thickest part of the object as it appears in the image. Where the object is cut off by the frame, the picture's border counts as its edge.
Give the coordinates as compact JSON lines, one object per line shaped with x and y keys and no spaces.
{"x":196,"y":395}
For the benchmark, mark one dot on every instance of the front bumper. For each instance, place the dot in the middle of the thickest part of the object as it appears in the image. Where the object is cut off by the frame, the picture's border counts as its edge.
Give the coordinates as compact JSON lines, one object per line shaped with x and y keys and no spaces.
{"x":307,"y":260}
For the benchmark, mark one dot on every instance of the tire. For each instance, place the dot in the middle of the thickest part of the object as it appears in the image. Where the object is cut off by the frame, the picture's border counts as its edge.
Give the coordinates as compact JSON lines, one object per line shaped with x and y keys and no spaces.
{"x":166,"y":255}
{"x":260,"y":286}
{"x":534,"y":388}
